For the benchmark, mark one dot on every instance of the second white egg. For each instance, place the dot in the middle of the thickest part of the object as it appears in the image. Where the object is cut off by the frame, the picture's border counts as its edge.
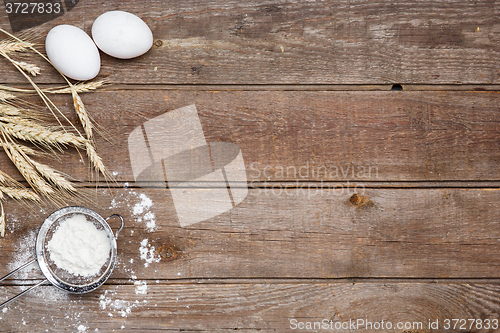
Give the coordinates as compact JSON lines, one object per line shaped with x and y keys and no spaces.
{"x":73,"y":52}
{"x":122,"y":35}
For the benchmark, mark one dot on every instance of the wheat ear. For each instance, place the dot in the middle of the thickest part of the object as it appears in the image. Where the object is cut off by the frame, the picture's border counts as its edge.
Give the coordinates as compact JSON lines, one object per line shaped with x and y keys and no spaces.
{"x":96,"y":160}
{"x":9,"y":110}
{"x":14,"y":46}
{"x":81,"y":87}
{"x":19,"y":193}
{"x":27,"y":170}
{"x":6,"y":96}
{"x":52,"y":176}
{"x":30,"y":68}
{"x":42,"y":135}
{"x":81,"y":112}
{"x":15,"y":190}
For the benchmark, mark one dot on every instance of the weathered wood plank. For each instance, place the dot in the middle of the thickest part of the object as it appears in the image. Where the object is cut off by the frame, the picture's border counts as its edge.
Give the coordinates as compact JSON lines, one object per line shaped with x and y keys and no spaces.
{"x":327,"y":42}
{"x":293,"y":233}
{"x":318,"y":136}
{"x":259,"y":307}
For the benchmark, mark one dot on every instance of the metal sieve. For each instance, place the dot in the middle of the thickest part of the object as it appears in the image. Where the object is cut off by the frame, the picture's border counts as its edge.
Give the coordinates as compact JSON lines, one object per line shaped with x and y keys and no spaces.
{"x":59,"y":277}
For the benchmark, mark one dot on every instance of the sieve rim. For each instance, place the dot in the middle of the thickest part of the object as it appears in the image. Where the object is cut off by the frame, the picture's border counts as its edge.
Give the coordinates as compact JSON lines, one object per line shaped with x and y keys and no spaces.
{"x":41,"y":251}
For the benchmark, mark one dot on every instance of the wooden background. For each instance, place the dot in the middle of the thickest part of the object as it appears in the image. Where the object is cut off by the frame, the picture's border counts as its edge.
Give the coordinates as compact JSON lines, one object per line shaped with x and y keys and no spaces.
{"x":299,"y":84}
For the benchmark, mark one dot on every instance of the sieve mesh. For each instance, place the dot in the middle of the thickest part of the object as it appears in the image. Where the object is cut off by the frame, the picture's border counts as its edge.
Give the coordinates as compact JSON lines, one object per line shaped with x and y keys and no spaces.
{"x":61,"y":278}
{"x":63,"y":275}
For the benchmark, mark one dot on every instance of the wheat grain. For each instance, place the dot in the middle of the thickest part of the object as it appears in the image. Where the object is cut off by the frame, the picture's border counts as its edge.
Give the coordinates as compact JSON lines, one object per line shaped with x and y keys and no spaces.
{"x":5,"y":96}
{"x":19,"y":193}
{"x":9,"y":110}
{"x":42,"y":135}
{"x":28,"y":150}
{"x":14,"y":46}
{"x":27,"y":170}
{"x":53,"y":176}
{"x":79,"y":88}
{"x":5,"y":179}
{"x":17,"y":120}
{"x":82,"y":113}
{"x":30,"y":68}
{"x":96,"y":160}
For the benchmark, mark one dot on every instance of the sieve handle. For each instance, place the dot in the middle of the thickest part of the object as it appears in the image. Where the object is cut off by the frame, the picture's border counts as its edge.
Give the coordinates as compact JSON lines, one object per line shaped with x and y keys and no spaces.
{"x":22,"y":293}
{"x":121,"y":226}
{"x":25,"y":291}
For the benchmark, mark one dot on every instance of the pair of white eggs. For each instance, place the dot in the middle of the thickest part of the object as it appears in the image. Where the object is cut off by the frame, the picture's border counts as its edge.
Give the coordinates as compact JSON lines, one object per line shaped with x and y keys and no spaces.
{"x":118,"y":34}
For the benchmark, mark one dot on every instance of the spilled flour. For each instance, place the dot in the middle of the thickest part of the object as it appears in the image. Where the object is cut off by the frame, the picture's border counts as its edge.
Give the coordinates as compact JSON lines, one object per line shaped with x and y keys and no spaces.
{"x":117,"y":306}
{"x":140,"y":210}
{"x":141,"y":287}
{"x":142,"y":213}
{"x":25,"y":251}
{"x":147,"y":252}
{"x":82,"y":328}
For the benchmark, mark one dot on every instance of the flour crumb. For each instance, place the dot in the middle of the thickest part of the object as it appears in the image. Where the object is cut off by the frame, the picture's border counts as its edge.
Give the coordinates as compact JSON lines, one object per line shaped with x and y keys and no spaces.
{"x":4,"y":310}
{"x":141,"y":287}
{"x":82,"y":328}
{"x":147,"y":252}
{"x":145,"y":204}
{"x":142,"y":213}
{"x":150,"y":220}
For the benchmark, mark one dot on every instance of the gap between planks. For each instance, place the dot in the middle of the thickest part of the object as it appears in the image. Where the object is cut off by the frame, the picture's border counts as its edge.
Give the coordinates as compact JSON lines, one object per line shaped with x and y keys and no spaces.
{"x":479,"y":184}
{"x":284,"y":87}
{"x":281,"y":280}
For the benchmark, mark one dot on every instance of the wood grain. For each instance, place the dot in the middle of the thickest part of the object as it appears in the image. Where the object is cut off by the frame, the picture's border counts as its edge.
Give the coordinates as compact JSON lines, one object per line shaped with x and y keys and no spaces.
{"x":294,"y":233}
{"x":315,"y":136}
{"x":299,"y":42}
{"x":251,"y":307}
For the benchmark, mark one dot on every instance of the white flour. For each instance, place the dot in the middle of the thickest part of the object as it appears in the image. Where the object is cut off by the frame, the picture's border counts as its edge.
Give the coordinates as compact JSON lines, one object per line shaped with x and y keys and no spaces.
{"x":148,"y":253}
{"x":78,"y":247}
{"x":141,"y":287}
{"x":142,"y":213}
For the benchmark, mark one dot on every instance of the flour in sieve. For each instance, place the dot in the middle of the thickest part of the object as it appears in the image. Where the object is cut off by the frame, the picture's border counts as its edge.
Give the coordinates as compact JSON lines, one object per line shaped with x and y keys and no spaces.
{"x":78,"y":247}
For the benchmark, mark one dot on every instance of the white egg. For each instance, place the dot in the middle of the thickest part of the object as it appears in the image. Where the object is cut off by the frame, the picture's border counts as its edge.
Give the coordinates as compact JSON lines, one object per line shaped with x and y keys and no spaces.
{"x":73,"y":52}
{"x":121,"y":34}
